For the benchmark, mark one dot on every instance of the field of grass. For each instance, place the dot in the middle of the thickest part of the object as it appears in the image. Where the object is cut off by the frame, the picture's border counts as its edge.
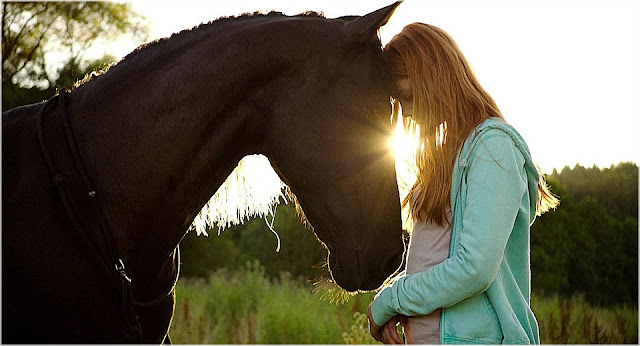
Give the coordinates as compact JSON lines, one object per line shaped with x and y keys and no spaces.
{"x":246,"y":307}
{"x":574,"y":321}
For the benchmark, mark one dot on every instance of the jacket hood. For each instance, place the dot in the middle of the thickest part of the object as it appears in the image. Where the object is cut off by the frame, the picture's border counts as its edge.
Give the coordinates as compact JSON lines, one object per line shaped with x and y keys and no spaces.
{"x":533,"y":176}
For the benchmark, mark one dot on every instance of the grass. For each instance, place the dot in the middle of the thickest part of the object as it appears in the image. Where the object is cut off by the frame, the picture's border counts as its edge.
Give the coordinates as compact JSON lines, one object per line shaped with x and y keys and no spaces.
{"x":574,"y":321}
{"x":245,"y":307}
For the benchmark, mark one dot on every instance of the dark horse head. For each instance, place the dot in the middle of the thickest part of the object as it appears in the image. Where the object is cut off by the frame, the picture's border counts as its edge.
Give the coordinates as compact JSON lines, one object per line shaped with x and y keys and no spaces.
{"x":158,"y":134}
{"x":330,"y":144}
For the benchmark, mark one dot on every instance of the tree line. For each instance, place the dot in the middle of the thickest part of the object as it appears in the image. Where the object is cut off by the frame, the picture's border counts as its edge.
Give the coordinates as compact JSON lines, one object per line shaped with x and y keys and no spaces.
{"x":589,"y":245}
{"x":33,"y":31}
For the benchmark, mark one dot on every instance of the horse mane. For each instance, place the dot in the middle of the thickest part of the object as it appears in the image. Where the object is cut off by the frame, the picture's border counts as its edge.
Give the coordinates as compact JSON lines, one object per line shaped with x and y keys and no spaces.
{"x":214,"y":23}
{"x":186,"y":32}
{"x":253,"y":189}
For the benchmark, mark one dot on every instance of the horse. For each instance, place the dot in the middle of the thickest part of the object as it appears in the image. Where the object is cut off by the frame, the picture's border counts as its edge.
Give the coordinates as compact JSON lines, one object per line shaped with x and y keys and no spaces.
{"x":101,"y":183}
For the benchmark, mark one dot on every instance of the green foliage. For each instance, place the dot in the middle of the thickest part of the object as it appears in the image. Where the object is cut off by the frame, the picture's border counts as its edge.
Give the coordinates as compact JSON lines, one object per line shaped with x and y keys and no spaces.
{"x":31,"y":30}
{"x":300,"y":253}
{"x":75,"y":72}
{"x":14,"y":96}
{"x":615,"y":188}
{"x":589,"y":245}
{"x":245,"y":306}
{"x":358,"y":333}
{"x":574,"y":321}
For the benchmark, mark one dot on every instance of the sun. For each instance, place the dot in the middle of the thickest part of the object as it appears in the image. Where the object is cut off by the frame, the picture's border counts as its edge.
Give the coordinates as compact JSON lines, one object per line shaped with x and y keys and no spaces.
{"x":403,"y":143}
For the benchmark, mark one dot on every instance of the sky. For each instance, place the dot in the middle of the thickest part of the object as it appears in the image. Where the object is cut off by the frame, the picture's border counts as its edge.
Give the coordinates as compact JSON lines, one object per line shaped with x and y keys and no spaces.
{"x":565,"y":73}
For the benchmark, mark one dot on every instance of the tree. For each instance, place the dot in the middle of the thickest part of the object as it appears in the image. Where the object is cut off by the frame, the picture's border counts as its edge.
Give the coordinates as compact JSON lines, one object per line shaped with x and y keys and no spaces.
{"x":32,"y":30}
{"x":589,"y":245}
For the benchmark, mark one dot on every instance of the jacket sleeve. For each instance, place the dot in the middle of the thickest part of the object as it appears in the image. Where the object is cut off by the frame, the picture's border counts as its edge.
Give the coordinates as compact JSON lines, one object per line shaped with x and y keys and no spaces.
{"x":496,"y":183}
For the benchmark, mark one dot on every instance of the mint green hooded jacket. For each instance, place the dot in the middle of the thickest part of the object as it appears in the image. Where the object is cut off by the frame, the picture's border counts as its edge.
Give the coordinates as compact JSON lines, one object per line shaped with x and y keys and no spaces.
{"x":484,"y":287}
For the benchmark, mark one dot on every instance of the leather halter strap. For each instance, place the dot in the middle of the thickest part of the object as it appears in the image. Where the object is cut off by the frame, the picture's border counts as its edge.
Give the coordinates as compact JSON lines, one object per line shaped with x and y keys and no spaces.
{"x":82,"y":207}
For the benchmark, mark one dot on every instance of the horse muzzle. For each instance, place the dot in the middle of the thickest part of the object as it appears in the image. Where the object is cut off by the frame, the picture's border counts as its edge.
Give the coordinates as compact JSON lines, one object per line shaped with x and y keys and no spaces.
{"x":358,"y":270}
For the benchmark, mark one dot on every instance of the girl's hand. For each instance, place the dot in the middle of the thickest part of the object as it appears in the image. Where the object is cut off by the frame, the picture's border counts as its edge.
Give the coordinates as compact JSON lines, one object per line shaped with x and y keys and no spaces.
{"x":388,"y":333}
{"x":390,"y":330}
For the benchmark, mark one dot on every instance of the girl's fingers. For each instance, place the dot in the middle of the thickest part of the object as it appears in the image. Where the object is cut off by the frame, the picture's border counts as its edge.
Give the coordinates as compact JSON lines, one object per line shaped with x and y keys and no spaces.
{"x":394,"y":334}
{"x":391,"y":332}
{"x":386,"y":337}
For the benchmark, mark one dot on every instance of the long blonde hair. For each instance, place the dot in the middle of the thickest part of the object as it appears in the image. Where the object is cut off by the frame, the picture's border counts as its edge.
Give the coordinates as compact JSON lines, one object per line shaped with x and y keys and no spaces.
{"x":448,"y":103}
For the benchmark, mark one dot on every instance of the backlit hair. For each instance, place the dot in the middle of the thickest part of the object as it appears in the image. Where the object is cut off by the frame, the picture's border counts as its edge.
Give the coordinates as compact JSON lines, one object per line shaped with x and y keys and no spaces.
{"x":448,"y":103}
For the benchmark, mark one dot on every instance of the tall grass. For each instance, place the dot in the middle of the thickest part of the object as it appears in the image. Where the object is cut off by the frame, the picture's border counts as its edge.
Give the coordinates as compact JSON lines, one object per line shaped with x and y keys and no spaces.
{"x":246,"y":307}
{"x":574,"y":321}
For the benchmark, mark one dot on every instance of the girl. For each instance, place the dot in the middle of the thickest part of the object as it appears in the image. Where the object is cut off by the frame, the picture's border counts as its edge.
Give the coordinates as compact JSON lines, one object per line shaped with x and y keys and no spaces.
{"x":476,"y":194}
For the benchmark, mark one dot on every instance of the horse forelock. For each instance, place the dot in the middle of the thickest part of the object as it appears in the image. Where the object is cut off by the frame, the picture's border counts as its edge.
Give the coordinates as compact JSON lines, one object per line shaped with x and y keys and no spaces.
{"x":253,"y":189}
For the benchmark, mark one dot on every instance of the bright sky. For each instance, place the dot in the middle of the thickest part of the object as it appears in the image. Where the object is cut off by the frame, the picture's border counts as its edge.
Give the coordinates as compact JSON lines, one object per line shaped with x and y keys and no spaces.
{"x":565,"y":73}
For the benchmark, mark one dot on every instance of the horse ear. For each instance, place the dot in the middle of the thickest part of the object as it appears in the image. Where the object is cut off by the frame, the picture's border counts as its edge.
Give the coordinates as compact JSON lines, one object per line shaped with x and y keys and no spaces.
{"x":365,"y":28}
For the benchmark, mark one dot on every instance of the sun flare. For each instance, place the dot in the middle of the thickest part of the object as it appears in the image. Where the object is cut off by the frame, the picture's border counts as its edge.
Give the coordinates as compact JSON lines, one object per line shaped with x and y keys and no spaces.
{"x":405,"y":144}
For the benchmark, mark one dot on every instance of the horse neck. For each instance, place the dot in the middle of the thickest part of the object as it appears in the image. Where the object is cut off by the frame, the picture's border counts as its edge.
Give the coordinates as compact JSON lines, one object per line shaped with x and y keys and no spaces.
{"x":161,"y":131}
